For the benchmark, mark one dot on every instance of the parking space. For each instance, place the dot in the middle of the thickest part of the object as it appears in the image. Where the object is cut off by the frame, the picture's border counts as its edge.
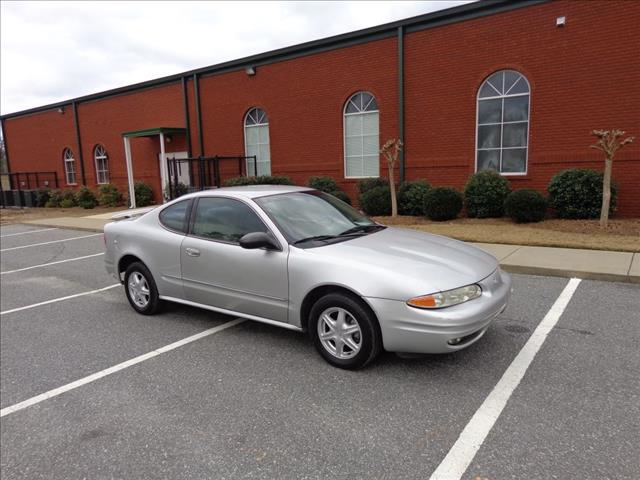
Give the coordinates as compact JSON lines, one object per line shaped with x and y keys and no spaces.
{"x":255,"y":401}
{"x":578,"y":413}
{"x":7,"y":231}
{"x":23,"y":249}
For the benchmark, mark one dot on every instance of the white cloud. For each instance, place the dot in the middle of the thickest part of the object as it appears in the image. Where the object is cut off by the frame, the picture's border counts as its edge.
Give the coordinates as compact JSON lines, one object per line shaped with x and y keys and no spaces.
{"x":52,"y":51}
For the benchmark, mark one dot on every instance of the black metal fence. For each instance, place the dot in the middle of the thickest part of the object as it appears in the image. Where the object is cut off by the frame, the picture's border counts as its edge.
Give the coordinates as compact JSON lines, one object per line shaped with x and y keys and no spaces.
{"x":200,"y":173}
{"x":19,"y":189}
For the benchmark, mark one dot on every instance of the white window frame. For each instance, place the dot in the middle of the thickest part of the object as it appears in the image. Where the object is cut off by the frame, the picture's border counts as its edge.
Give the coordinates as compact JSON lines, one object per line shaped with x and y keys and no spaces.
{"x":344,"y":134}
{"x":100,"y":153}
{"x":69,"y":159}
{"x":502,"y":122}
{"x":246,"y":149}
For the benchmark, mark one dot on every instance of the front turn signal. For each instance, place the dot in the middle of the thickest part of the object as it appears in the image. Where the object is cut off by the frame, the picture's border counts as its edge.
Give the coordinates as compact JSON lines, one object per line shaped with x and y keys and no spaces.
{"x":446,"y":299}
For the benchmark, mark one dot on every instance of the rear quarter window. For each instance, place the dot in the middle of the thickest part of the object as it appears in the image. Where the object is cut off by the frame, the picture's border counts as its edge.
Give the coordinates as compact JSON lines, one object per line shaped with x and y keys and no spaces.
{"x":174,"y":217}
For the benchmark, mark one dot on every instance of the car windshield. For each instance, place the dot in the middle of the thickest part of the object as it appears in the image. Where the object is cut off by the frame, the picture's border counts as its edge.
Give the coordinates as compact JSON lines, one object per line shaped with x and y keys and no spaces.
{"x":305,"y":217}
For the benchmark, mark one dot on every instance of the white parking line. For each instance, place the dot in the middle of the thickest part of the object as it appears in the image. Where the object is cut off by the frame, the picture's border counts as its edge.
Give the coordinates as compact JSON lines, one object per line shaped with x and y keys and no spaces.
{"x":47,"y":243}
{"x":28,"y":231}
{"x":51,"y":263}
{"x":474,"y":434}
{"x":55,"y":300}
{"x":116,"y":368}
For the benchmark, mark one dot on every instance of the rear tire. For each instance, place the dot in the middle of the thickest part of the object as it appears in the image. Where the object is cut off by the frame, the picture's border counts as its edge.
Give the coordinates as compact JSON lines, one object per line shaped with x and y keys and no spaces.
{"x":344,"y":331}
{"x":140,"y":289}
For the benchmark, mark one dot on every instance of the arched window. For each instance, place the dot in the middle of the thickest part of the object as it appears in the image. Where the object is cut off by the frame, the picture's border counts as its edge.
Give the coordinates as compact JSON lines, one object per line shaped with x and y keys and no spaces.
{"x":361,"y":136}
{"x":69,"y":166}
{"x":503,"y":123}
{"x":256,"y":141}
{"x":102,"y":164}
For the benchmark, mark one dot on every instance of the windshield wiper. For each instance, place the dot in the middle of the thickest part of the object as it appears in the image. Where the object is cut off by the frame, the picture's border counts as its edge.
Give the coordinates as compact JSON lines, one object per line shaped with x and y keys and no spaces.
{"x":362,"y":228}
{"x":316,"y":237}
{"x":352,"y":231}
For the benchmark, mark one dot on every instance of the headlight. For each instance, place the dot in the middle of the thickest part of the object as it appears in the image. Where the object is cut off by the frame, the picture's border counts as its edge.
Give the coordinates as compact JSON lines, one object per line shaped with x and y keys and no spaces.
{"x":446,"y":299}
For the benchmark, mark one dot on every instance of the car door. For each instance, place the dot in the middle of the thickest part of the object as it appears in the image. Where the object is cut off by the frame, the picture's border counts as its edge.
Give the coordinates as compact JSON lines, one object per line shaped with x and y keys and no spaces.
{"x":217,"y":271}
{"x":159,"y":248}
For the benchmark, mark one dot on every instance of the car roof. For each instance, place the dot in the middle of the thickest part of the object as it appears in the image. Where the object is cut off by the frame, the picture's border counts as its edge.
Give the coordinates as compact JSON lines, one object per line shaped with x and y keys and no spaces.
{"x":252,"y":191}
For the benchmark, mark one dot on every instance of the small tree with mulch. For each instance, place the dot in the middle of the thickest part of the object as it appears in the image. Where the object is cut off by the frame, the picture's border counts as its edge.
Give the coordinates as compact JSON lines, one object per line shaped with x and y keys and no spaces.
{"x":391,"y":149}
{"x":608,"y":142}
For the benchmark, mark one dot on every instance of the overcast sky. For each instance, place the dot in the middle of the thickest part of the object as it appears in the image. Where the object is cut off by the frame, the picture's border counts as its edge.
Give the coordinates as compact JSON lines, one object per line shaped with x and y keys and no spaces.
{"x":53,"y":51}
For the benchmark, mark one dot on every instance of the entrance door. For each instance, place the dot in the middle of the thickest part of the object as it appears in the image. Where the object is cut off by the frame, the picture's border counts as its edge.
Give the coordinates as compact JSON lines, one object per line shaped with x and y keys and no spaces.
{"x":181,"y":168}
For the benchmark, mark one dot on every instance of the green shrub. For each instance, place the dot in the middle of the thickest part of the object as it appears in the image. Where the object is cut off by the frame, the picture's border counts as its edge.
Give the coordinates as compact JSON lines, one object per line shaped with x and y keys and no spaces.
{"x":143,"y":193}
{"x":525,"y":206}
{"x":67,"y":203}
{"x":109,"y":196}
{"x":180,"y":189}
{"x":55,"y":197}
{"x":376,"y":201}
{"x":68,"y":199}
{"x":324,"y":184}
{"x":369,"y":183}
{"x":411,"y":197}
{"x":86,"y":198}
{"x":577,"y":193}
{"x":485,"y":193}
{"x":260,"y":180}
{"x":328,"y":185}
{"x":442,"y":203}
{"x":339,"y":194}
{"x":42,"y":197}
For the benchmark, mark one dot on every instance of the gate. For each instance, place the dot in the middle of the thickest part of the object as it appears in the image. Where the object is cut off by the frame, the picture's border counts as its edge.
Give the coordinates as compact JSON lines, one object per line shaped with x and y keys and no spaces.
{"x":188,"y":175}
{"x":19,"y":189}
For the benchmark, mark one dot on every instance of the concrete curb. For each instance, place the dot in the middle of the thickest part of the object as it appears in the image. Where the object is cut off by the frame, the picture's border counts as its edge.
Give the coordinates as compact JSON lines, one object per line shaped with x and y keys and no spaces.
{"x":557,"y":272}
{"x":521,"y":259}
{"x":85,"y":225}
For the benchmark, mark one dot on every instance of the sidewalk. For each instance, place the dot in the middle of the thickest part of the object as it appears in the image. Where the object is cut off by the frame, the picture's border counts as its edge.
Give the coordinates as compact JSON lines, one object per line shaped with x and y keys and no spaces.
{"x":559,"y":262}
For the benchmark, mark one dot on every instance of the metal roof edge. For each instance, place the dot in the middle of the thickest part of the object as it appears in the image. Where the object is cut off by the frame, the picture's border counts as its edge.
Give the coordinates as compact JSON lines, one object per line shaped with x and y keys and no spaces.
{"x":480,"y":8}
{"x":148,"y":132}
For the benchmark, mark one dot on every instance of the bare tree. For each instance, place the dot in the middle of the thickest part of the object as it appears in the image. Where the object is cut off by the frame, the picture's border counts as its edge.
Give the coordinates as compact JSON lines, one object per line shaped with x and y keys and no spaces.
{"x":3,"y":157}
{"x":608,"y":142}
{"x":391,"y":149}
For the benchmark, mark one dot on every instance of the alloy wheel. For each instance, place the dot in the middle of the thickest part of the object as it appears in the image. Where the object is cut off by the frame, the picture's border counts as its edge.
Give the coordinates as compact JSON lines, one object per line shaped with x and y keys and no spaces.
{"x":139,"y":289}
{"x":339,"y":333}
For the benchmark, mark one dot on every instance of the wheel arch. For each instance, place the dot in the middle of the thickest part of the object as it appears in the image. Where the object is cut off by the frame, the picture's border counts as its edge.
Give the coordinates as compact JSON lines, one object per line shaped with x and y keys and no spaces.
{"x":124,"y":263}
{"x":320,"y":291}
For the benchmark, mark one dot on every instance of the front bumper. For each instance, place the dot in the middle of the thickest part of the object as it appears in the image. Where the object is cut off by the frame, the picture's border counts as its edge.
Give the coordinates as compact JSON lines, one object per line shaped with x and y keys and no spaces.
{"x":412,"y":330}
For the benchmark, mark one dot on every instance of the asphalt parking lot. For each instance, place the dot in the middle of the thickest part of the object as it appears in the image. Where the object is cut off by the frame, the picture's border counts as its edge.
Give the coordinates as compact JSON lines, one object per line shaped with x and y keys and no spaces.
{"x":255,"y":401}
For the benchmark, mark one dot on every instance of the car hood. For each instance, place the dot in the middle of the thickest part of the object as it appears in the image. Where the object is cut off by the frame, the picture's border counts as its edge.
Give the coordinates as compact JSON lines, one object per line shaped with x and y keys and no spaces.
{"x":423,"y":262}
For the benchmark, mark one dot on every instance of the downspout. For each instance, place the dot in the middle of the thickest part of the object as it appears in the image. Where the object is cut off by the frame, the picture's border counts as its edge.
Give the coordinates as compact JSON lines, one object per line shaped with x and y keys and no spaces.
{"x":187,"y":122}
{"x":79,"y":141}
{"x":196,"y":91}
{"x":401,"y":99}
{"x":6,"y":149}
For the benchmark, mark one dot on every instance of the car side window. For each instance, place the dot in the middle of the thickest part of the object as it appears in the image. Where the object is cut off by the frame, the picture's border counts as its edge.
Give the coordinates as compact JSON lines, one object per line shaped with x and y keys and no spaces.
{"x":225,"y":219}
{"x":174,"y":217}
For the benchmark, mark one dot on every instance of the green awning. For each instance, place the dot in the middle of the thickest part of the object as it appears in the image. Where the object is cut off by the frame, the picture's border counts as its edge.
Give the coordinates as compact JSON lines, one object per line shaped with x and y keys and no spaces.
{"x":150,"y":132}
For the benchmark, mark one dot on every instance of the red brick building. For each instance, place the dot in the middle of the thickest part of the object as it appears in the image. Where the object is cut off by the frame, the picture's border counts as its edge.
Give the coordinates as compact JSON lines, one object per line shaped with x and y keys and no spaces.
{"x":512,"y":85}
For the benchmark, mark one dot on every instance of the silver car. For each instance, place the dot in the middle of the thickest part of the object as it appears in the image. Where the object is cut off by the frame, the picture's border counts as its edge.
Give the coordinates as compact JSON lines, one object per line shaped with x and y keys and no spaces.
{"x":301,"y":259}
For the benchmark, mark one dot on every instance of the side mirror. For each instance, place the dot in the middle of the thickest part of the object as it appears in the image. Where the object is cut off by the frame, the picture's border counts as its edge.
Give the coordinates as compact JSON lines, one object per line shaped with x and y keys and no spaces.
{"x":258,"y":240}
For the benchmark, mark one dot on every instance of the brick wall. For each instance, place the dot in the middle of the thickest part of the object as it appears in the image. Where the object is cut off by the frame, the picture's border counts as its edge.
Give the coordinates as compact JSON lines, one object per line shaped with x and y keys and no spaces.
{"x":304,"y":100}
{"x":582,"y":77}
{"x":105,"y":120}
{"x":36,"y":142}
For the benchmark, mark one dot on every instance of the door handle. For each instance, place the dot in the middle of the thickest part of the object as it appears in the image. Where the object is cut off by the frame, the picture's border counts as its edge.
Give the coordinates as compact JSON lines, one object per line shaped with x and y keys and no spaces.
{"x":192,"y":252}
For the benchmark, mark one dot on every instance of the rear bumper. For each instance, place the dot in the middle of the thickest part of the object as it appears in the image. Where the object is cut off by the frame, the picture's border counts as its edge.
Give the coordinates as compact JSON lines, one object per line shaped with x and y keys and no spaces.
{"x":412,"y":330}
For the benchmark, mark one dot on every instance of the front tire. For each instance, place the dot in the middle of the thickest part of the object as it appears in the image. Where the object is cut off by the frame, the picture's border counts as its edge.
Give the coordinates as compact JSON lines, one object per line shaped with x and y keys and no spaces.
{"x":344,"y":331}
{"x":141,"y":289}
